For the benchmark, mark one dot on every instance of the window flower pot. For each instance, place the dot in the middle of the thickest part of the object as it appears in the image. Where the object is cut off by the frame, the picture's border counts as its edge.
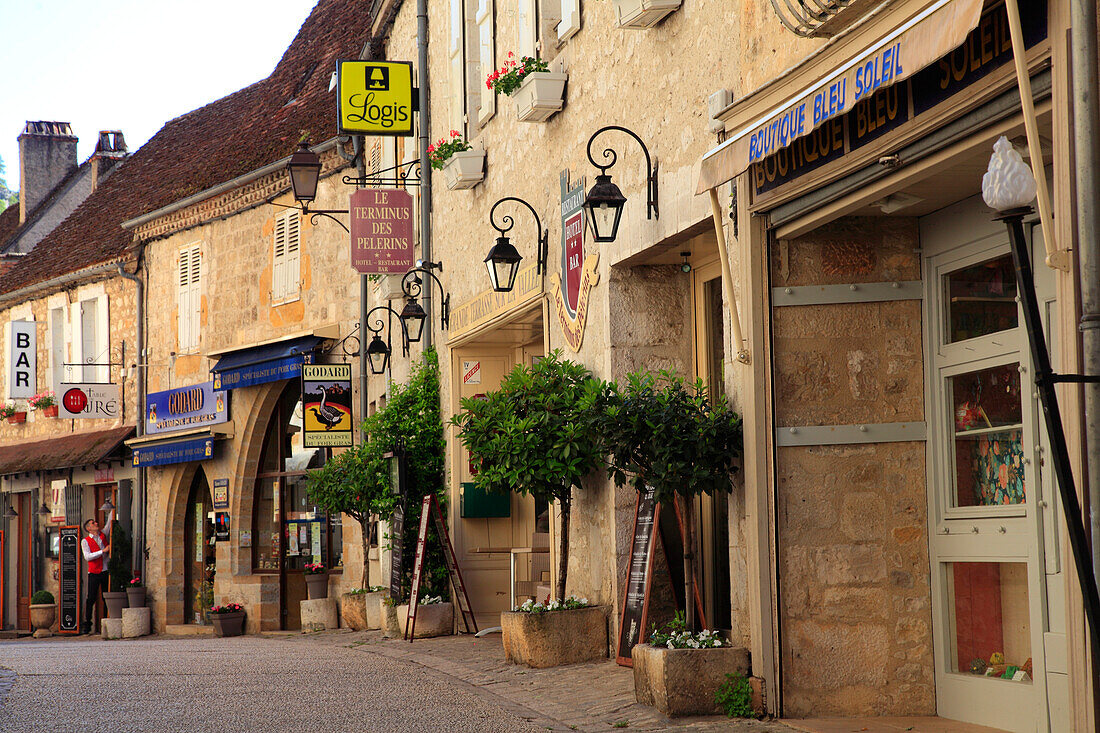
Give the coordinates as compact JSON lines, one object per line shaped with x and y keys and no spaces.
{"x":135,"y":597}
{"x":17,"y":418}
{"x":540,"y":96}
{"x":552,"y":638}
{"x":116,"y":600}
{"x":683,"y":681}
{"x":50,"y":411}
{"x":228,"y":624}
{"x":436,"y":619}
{"x":643,"y":13}
{"x":317,"y":585}
{"x":42,"y":617}
{"x":464,"y":170}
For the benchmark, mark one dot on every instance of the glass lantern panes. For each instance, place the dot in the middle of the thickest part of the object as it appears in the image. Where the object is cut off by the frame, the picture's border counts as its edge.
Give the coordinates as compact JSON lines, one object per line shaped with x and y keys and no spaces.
{"x":981,"y":299}
{"x":987,"y":420}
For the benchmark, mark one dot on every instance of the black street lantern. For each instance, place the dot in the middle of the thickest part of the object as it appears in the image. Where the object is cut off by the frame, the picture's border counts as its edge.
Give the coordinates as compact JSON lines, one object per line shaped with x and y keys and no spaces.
{"x":305,"y":170}
{"x":413,"y":316}
{"x":604,"y":203}
{"x":503,"y":259}
{"x":378,"y":355}
{"x":502,"y":262}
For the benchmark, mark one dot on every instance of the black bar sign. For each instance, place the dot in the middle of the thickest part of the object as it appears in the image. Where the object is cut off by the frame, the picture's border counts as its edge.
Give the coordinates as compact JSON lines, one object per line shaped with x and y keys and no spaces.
{"x":636,"y":602}
{"x":69,"y":580}
{"x":397,"y":551}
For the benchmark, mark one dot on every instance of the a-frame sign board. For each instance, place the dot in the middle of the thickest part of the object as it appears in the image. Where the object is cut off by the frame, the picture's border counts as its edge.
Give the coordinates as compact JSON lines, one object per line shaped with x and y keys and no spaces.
{"x":430,"y":506}
{"x":635,"y":608}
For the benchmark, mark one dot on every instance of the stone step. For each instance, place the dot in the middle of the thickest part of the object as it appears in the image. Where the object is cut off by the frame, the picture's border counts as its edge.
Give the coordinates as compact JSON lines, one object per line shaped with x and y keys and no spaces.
{"x":188,"y":630}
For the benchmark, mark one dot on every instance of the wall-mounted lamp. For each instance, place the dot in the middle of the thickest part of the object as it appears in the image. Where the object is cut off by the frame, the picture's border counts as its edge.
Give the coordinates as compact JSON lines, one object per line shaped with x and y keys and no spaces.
{"x":378,"y":351}
{"x":604,"y":202}
{"x":304,"y":168}
{"x":503,"y":259}
{"x":9,"y":512}
{"x":413,"y":314}
{"x":685,"y":265}
{"x":107,"y":505}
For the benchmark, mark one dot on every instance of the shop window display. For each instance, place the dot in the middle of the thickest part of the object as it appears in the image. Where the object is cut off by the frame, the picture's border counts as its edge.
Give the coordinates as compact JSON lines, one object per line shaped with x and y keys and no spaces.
{"x":988,"y":427}
{"x":990,"y":605}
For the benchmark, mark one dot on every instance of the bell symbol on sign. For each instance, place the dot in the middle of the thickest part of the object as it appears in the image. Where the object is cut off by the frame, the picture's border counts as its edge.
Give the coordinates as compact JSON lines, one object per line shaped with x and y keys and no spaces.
{"x":378,"y":78}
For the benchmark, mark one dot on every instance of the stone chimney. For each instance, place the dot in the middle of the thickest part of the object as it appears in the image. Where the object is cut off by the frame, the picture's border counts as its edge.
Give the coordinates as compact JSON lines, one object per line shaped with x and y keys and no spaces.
{"x":47,"y":153}
{"x":109,"y":150}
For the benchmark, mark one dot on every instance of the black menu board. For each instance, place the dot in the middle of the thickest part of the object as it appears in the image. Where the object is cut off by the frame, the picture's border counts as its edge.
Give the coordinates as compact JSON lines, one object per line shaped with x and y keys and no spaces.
{"x":639,"y":572}
{"x":69,"y":580}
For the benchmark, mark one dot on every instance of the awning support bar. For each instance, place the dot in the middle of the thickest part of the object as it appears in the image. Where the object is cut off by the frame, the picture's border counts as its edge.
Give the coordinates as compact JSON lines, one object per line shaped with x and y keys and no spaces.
{"x":727,"y":278}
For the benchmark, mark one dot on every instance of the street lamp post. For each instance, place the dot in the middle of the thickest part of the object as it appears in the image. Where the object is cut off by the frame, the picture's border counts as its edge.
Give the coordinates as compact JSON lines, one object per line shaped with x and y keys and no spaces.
{"x":604,"y":203}
{"x":503,"y":259}
{"x":413,"y":314}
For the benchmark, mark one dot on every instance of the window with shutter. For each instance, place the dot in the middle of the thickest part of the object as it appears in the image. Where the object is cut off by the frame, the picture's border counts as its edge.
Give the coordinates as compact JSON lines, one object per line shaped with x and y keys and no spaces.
{"x":528,"y":29}
{"x":487,"y":57}
{"x":190,"y":297}
{"x":570,"y":19}
{"x":455,"y":50}
{"x":285,"y":258}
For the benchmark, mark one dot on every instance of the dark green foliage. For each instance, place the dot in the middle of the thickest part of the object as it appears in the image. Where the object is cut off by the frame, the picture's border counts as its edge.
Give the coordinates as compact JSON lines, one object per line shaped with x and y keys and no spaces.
{"x":535,"y":435}
{"x":661,"y":433}
{"x":735,"y":697}
{"x":41,"y":597}
{"x":118,"y":566}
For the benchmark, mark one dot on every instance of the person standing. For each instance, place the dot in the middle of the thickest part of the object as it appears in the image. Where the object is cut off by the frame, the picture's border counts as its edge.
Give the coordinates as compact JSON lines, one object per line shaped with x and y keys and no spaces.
{"x":96,"y":547}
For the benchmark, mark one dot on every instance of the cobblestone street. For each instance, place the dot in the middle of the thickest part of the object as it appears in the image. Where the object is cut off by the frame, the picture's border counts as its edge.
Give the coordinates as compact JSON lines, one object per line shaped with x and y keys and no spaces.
{"x":339,"y":681}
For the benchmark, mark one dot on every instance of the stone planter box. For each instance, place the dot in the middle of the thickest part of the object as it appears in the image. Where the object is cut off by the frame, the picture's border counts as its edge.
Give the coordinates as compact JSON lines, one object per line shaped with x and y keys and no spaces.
{"x":136,"y":622}
{"x":319,"y":614}
{"x":643,"y":13}
{"x":683,"y":681}
{"x":42,"y":617}
{"x":317,"y":585}
{"x":434,"y":620}
{"x":115,"y":601}
{"x":464,"y":170}
{"x":540,"y":96}
{"x":553,"y":638}
{"x":359,"y":611}
{"x":391,"y":626}
{"x":228,"y":624}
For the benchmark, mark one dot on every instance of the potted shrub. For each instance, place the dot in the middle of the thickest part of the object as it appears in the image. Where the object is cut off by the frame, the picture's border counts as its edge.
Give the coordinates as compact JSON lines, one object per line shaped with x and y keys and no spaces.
{"x":462,"y":166}
{"x":434,"y":617}
{"x":13,"y":414}
{"x":228,"y":619}
{"x":539,"y":92}
{"x":46,"y":402}
{"x":535,"y":435}
{"x":681,"y":672}
{"x":43,"y":613}
{"x":316,"y":580}
{"x":118,"y":568}
{"x":553,"y":633}
{"x":643,"y":13}
{"x":135,"y":593}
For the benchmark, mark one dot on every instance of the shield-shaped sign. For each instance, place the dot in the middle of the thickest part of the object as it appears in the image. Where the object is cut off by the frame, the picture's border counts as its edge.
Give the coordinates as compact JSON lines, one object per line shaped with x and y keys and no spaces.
{"x":572,"y":243}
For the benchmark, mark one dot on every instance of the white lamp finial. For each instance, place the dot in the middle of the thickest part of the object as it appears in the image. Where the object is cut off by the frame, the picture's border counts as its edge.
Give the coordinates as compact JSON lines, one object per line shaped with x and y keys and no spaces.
{"x":1009,"y":182}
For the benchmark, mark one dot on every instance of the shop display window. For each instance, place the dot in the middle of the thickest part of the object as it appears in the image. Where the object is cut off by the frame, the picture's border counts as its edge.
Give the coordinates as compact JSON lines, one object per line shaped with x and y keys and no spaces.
{"x":981,"y":299}
{"x":991,"y":620}
{"x":987,"y":418}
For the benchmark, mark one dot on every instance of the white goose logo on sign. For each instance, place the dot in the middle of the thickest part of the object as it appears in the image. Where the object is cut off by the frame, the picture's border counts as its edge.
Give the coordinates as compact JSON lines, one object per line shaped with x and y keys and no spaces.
{"x":571,"y":288}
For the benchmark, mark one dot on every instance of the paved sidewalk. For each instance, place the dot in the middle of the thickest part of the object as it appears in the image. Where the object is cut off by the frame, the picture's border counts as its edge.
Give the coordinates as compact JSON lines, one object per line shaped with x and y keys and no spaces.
{"x":595,"y":696}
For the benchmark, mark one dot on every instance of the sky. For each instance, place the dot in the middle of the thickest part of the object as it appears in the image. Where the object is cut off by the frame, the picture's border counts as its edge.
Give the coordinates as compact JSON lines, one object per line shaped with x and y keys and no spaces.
{"x":130,"y":65}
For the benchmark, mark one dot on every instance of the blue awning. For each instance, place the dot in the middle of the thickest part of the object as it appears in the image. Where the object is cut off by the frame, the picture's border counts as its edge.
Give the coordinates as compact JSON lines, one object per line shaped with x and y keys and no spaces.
{"x":260,"y":364}
{"x":174,"y":451}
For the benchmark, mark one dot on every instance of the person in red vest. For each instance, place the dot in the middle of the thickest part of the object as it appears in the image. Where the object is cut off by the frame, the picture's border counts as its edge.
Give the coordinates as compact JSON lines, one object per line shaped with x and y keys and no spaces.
{"x":96,"y":547}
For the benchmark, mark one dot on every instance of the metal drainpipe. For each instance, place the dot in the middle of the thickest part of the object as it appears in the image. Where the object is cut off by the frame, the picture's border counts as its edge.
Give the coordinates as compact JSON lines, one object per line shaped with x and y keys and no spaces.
{"x":137,"y":557}
{"x":358,"y":146}
{"x":425,"y":165}
{"x":1086,"y":110}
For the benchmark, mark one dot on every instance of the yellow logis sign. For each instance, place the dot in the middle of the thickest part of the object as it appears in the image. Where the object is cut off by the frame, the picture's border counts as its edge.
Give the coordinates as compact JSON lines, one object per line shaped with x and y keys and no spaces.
{"x":376,"y":97}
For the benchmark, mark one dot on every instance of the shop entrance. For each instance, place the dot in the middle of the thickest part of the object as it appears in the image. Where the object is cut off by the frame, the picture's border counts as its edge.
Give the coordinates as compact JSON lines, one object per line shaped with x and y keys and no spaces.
{"x":997,"y":585}
{"x":199,"y":557}
{"x":503,"y":542}
{"x":23,"y":548}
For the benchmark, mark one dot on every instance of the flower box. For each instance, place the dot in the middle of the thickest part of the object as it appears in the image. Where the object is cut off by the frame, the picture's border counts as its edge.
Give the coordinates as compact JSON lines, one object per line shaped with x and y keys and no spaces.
{"x":50,"y":411}
{"x":683,"y":681}
{"x":464,"y":170}
{"x":228,"y":624}
{"x":17,"y":417}
{"x":540,"y":96}
{"x":115,"y":600}
{"x":643,"y":13}
{"x":554,"y":638}
{"x":435,"y":619}
{"x":317,"y":585}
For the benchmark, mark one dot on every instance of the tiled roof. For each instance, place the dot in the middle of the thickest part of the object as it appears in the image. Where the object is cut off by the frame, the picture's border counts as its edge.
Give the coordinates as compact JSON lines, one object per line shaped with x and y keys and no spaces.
{"x":42,"y":207}
{"x":213,"y":144}
{"x":9,"y":223}
{"x":77,"y":449}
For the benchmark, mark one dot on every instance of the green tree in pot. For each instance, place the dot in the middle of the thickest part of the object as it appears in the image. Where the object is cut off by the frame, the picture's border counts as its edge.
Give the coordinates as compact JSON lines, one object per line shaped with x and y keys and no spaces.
{"x":535,"y":436}
{"x":663,"y":434}
{"x":118,"y":571}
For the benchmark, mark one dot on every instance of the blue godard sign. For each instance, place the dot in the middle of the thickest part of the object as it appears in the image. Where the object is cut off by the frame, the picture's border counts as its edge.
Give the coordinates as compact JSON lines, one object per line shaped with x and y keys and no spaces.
{"x":184,"y":408}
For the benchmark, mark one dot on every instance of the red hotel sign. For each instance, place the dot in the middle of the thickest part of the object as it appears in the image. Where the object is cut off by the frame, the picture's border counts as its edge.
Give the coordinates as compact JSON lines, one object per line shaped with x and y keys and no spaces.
{"x":381,"y":231}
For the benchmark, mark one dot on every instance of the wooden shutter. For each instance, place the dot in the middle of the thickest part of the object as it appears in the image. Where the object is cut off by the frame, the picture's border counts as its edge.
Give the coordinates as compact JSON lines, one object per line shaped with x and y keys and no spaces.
{"x":102,"y":340}
{"x":196,"y":295}
{"x":456,"y":62}
{"x":291,"y":271}
{"x":278,"y":261}
{"x":486,"y":52}
{"x":570,"y":21}
{"x":76,"y":373}
{"x":190,"y":296}
{"x":528,"y":29}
